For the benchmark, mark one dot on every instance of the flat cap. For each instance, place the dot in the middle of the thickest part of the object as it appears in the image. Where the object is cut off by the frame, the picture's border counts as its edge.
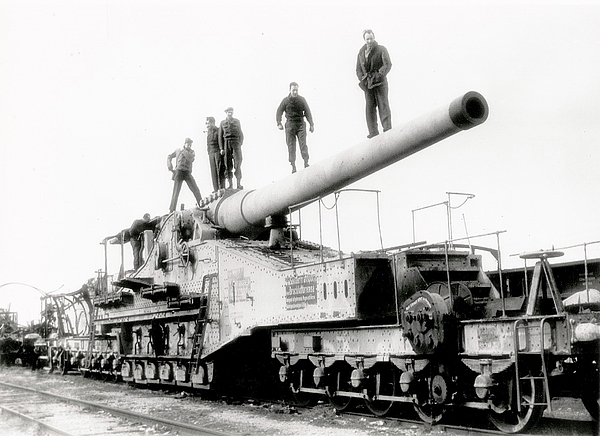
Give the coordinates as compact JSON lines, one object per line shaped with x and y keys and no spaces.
{"x":188,"y":141}
{"x":229,"y":109}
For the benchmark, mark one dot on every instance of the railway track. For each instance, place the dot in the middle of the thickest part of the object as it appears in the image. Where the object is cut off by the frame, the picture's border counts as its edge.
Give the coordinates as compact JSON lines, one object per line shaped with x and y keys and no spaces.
{"x":476,"y":427}
{"x":57,"y":414}
{"x":275,"y":417}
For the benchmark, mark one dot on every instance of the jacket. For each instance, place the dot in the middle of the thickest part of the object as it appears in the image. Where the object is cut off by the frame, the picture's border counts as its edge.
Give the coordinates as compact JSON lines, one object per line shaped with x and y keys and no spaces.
{"x":232,"y":130}
{"x":212,"y":139}
{"x":184,"y":157}
{"x":295,"y":108}
{"x":371,"y":70}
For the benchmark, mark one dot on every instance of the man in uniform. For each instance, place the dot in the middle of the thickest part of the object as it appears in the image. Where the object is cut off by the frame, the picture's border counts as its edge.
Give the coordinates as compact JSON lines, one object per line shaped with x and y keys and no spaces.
{"x":136,"y":232}
{"x":215,"y":157}
{"x":372,"y":66}
{"x":295,"y":108}
{"x":184,"y":158}
{"x":231,"y":139}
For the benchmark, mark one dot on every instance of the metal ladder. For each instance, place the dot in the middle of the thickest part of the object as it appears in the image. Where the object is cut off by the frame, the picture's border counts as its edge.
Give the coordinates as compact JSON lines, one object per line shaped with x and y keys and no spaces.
{"x":92,"y":327}
{"x":546,"y":401}
{"x":201,"y":321}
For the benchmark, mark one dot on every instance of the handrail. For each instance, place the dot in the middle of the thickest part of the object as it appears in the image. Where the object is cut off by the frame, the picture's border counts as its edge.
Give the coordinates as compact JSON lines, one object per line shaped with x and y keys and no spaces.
{"x":336,"y":194}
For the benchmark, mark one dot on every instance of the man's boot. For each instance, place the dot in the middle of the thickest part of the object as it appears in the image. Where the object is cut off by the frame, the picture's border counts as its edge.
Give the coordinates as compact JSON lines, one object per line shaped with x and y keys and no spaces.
{"x":293,"y":168}
{"x":239,"y":184}
{"x":230,"y":183}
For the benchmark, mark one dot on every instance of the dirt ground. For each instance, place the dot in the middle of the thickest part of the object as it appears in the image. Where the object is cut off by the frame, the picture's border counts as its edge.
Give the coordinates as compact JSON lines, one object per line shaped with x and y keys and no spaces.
{"x":256,"y":419}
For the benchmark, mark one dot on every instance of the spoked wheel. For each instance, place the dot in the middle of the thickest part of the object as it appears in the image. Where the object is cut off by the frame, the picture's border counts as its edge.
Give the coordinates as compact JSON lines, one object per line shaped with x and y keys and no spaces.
{"x":430,"y":413}
{"x":433,"y":394}
{"x":339,"y":380}
{"x":302,"y":377}
{"x":513,"y":421}
{"x":384,"y":382}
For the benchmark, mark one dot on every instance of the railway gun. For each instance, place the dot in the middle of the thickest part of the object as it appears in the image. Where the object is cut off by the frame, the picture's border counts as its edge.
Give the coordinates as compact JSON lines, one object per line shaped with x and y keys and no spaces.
{"x":229,"y":298}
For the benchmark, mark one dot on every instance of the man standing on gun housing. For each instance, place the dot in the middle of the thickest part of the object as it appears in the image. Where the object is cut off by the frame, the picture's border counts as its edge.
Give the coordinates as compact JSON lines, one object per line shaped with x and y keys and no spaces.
{"x":372,"y":66}
{"x":231,"y":139}
{"x":215,"y":155}
{"x":184,"y":158}
{"x":295,"y":108}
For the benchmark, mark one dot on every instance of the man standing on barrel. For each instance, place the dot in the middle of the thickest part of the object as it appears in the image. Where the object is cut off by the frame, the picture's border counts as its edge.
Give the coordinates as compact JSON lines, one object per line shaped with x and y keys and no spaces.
{"x":372,"y":66}
{"x":296,"y":109}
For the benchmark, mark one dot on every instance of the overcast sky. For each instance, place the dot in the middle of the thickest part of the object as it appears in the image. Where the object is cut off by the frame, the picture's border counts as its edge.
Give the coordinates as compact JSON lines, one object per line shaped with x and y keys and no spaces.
{"x":95,"y":94}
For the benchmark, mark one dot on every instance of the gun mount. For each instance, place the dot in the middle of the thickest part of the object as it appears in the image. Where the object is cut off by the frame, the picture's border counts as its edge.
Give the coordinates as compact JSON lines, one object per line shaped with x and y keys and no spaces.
{"x":244,"y":212}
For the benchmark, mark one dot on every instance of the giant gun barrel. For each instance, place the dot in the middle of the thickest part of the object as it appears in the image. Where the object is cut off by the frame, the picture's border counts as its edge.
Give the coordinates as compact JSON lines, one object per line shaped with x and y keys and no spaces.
{"x":244,"y":212}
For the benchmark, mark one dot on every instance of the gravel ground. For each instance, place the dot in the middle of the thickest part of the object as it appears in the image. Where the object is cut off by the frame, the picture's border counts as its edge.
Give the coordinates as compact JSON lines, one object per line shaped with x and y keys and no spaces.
{"x":255,"y":419}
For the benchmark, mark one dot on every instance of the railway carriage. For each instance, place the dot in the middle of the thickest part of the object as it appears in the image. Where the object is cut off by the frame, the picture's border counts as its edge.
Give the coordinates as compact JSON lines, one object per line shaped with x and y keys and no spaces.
{"x":229,"y":298}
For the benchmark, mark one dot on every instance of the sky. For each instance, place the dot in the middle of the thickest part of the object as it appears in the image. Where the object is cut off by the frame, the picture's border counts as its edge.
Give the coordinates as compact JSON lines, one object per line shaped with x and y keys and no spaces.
{"x":94,"y":95}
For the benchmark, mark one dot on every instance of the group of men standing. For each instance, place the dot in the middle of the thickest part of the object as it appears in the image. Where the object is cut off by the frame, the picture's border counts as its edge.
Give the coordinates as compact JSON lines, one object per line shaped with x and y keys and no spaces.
{"x":224,"y":143}
{"x":224,"y":146}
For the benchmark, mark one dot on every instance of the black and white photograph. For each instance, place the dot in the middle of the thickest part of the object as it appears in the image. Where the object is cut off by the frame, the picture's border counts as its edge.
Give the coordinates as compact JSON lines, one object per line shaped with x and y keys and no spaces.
{"x":332,"y":218}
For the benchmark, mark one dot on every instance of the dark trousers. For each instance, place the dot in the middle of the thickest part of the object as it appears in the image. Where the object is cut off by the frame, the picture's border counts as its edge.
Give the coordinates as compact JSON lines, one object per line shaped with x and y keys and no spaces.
{"x":233,"y":158}
{"x":179,"y":178}
{"x":137,"y":246}
{"x":377,"y":98}
{"x":293,"y":131}
{"x":217,"y":170}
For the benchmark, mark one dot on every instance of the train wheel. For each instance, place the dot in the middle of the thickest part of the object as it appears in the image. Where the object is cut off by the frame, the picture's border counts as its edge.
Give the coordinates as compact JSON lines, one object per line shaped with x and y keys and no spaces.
{"x":339,"y":380}
{"x":302,"y":377}
{"x":512,"y":421}
{"x":430,"y":413}
{"x":384,"y":382}
{"x":304,"y":399}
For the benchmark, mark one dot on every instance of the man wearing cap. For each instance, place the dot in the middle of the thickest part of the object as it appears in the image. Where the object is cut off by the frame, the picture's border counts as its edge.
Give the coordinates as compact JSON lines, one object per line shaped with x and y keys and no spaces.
{"x":372,"y":65}
{"x":184,"y":157}
{"x":231,"y":139}
{"x":215,"y":157}
{"x":136,"y":233}
{"x":296,"y":109}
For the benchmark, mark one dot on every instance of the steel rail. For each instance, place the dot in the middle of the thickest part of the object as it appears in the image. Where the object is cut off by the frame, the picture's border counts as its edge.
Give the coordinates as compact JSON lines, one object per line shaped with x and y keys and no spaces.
{"x":440,"y":426}
{"x":40,"y":424}
{"x":182,"y":428}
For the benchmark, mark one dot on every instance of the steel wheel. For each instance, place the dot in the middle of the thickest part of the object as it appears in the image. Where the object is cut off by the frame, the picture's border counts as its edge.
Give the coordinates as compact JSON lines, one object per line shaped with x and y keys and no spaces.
{"x":302,"y":377}
{"x":512,"y":421}
{"x":430,"y":413}
{"x":384,"y":382}
{"x":339,"y":380}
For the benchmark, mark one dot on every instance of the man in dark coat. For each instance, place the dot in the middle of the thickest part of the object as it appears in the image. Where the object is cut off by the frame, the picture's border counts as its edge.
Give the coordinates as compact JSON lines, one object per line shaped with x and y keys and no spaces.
{"x":215,"y":156}
{"x":296,"y":109}
{"x":231,"y":139}
{"x":136,"y":232}
{"x":372,"y":66}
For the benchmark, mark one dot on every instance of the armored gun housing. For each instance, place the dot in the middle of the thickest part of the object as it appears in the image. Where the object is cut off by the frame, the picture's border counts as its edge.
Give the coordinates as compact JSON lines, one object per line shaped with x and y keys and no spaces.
{"x":229,"y":299}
